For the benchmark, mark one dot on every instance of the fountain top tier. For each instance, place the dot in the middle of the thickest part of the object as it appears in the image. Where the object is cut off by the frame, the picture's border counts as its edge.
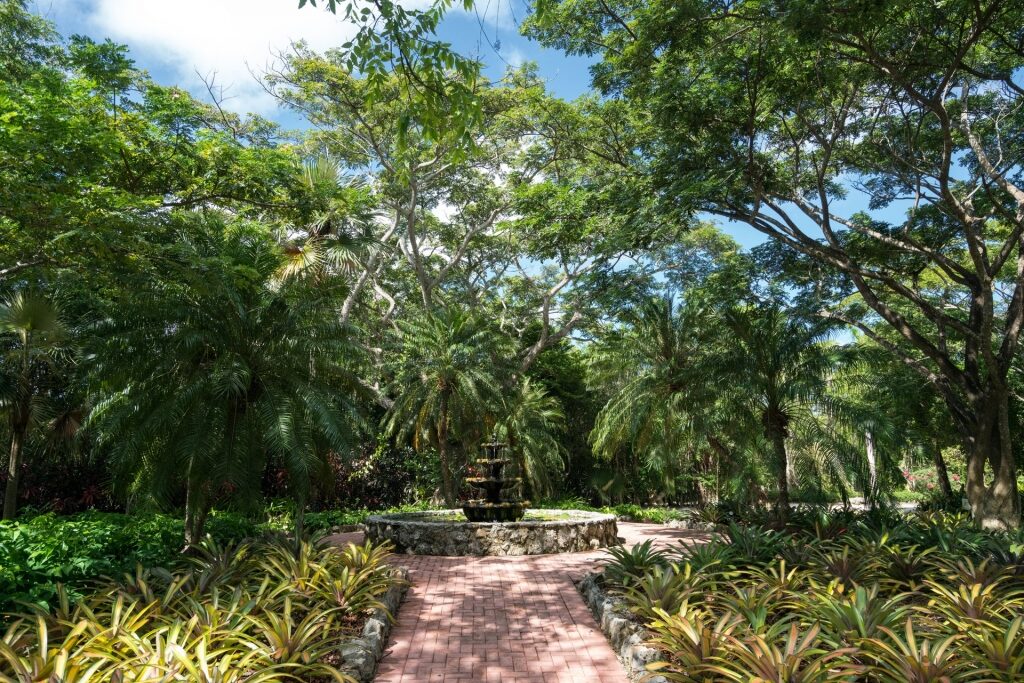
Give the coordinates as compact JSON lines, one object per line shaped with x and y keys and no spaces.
{"x":493,"y":448}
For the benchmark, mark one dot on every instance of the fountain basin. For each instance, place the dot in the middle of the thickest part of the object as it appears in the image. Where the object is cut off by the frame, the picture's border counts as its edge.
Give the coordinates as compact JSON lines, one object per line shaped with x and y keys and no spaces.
{"x":540,"y":532}
{"x":503,"y":511}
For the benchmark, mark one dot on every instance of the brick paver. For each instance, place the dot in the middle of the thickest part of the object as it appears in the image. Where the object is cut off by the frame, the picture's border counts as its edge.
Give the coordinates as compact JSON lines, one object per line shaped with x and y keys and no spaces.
{"x":504,"y":619}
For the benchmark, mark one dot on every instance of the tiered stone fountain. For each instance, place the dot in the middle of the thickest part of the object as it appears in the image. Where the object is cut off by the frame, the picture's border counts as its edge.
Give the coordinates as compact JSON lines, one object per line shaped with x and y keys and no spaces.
{"x":496,"y":524}
{"x":494,"y":507}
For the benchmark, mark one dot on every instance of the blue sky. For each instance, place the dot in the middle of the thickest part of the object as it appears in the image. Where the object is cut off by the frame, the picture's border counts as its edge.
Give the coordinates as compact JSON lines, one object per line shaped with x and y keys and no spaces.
{"x":181,"y":41}
{"x":174,"y":40}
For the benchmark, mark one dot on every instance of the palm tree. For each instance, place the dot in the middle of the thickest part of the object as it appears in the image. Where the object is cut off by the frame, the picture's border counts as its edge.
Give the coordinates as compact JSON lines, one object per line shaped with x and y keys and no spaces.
{"x":663,"y":401}
{"x":867,"y":418}
{"x":333,"y":231}
{"x":35,"y":331}
{"x":448,"y":384}
{"x":781,"y":363}
{"x":217,"y":369}
{"x":532,"y":420}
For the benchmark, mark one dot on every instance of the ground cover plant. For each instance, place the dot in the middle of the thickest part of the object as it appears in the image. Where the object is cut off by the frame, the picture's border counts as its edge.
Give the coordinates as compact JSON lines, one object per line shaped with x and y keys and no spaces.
{"x":269,"y":610}
{"x":39,"y":552}
{"x":832,"y":596}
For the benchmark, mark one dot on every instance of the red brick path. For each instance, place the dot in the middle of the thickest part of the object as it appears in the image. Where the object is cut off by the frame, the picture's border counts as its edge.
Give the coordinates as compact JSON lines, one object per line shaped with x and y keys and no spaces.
{"x":507,"y":619}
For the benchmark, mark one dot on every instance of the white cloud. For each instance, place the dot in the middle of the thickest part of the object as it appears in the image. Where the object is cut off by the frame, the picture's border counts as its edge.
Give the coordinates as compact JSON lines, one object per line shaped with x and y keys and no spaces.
{"x":514,"y":57}
{"x":229,"y":38}
{"x":444,"y":211}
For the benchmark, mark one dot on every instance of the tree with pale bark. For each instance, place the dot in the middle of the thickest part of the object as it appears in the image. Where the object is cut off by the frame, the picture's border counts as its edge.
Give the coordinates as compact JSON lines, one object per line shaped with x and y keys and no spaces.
{"x":879,"y":140}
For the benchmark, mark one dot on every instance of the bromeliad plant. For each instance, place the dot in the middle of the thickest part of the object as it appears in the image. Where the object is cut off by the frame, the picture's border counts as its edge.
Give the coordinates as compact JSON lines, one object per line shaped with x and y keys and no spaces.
{"x":256,"y":612}
{"x":628,"y":565}
{"x":832,"y":597}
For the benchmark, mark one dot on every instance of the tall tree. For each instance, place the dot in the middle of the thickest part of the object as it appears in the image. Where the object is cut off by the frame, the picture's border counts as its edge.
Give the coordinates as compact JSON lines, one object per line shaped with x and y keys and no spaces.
{"x":773,"y":114}
{"x":513,"y":222}
{"x":665,"y":402}
{"x":215,"y":367}
{"x":94,"y":155}
{"x":531,"y":421}
{"x":780,"y":363}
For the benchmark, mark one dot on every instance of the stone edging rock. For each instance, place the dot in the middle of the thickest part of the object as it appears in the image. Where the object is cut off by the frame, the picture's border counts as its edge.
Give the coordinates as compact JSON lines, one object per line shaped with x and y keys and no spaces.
{"x":418,"y":534}
{"x":361,"y":655}
{"x":626,"y":637}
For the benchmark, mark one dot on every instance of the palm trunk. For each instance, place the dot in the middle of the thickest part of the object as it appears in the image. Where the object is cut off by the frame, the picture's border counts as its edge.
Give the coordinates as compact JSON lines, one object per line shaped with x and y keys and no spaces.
{"x":14,"y":471}
{"x":447,"y":483}
{"x":191,"y":537}
{"x":300,"y":523}
{"x":871,"y":491}
{"x":790,"y":471}
{"x":526,"y":491}
{"x":19,"y":431}
{"x":196,"y":511}
{"x":777,"y":437}
{"x":721,"y":453}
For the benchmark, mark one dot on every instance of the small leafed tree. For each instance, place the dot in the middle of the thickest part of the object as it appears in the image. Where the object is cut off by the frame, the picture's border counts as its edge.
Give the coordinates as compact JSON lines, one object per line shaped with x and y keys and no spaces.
{"x":879,"y":140}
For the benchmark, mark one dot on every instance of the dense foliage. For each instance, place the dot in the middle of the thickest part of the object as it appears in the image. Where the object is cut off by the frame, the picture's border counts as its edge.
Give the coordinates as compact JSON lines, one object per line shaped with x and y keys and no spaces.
{"x":40,"y":552}
{"x":200,"y":310}
{"x":832,"y":596}
{"x":876,"y":145}
{"x":218,"y":336}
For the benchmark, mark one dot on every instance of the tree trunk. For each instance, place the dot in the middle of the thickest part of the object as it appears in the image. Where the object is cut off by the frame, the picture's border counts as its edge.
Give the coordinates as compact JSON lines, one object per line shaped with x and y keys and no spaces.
{"x":721,"y":453}
{"x":777,"y":437}
{"x":941,"y":471}
{"x":526,"y":491}
{"x":300,"y":522}
{"x":14,"y":471}
{"x":196,"y":511}
{"x":191,"y":538}
{"x":870,"y":493}
{"x":996,"y":505}
{"x":447,"y":483}
{"x":790,"y":471}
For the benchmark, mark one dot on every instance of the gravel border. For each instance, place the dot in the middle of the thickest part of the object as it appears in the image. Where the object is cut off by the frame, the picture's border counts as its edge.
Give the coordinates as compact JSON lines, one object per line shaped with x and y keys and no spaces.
{"x":360,"y":656}
{"x":626,"y":637}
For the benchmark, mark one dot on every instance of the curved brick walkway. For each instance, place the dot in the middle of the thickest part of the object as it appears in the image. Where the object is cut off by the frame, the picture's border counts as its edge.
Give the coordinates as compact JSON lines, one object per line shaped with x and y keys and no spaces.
{"x":507,"y":619}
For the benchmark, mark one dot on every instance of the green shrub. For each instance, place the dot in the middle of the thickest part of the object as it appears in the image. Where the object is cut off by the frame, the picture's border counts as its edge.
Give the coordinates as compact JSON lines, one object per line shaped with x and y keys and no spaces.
{"x":654,"y":515}
{"x":627,"y":512}
{"x":40,"y":552}
{"x":329,"y":519}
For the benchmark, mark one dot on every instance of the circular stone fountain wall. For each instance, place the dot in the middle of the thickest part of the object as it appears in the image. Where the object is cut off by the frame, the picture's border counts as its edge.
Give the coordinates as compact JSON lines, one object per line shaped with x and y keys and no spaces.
{"x":541,"y":532}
